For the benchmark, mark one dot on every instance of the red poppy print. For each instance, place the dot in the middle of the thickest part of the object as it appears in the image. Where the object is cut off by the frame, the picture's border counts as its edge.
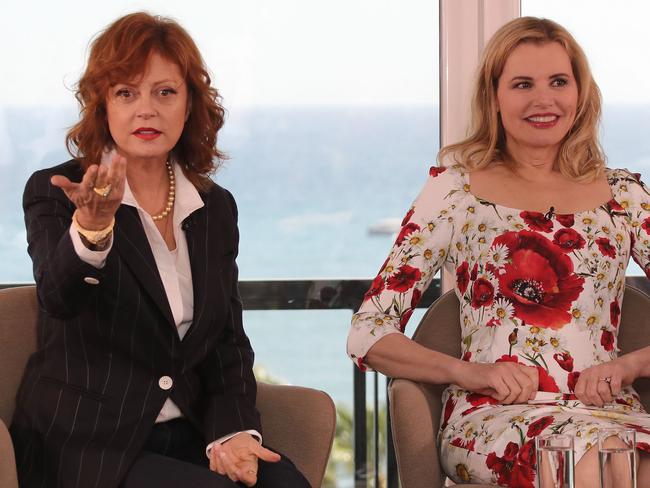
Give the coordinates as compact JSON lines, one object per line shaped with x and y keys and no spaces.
{"x":415,"y":298}
{"x":644,"y":446}
{"x":536,"y":428}
{"x":514,"y":469}
{"x":537,"y":221}
{"x":538,"y":280}
{"x":403,"y":320}
{"x":404,"y":279}
{"x":436,"y":170}
{"x":546,"y":381}
{"x":477,"y":401}
{"x":493,"y":322}
{"x":606,"y":247}
{"x":467,"y":356}
{"x":614,"y":206}
{"x":508,"y":358}
{"x":568,"y":240}
{"x":458,"y":442}
{"x":474,"y":273}
{"x":408,"y":216}
{"x":482,"y":293}
{"x":405,"y":231}
{"x":638,"y":428}
{"x":607,"y":340}
{"x":614,"y":312}
{"x":449,"y":409}
{"x":361,"y":364}
{"x":375,"y":288}
{"x":645,"y":225}
{"x":565,"y":360}
{"x":566,"y":220}
{"x":572,"y":379}
{"x":462,"y":277}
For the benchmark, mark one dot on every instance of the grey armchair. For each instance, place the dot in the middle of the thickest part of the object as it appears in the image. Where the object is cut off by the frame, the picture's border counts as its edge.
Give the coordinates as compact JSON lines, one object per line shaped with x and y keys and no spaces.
{"x":300,"y":422}
{"x":415,"y":408}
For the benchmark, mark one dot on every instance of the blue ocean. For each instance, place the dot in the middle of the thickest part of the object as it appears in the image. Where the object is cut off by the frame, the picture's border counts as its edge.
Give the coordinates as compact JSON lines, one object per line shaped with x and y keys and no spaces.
{"x":309,"y":183}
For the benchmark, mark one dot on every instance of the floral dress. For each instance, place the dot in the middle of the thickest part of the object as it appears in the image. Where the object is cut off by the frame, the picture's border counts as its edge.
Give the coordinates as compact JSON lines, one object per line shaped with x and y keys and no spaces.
{"x":542,"y":290}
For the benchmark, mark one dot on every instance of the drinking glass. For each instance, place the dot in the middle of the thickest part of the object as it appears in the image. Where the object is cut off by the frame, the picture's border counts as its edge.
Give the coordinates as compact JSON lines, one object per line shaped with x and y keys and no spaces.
{"x":554,"y":461}
{"x":617,"y":458}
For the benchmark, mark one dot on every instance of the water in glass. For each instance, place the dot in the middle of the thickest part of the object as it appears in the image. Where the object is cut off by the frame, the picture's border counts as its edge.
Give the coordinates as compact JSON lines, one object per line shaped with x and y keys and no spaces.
{"x":555,"y":461}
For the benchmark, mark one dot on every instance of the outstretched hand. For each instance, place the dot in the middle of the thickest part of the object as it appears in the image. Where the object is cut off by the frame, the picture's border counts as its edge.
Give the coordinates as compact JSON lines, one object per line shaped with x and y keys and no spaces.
{"x":95,"y":211}
{"x":238,"y":457}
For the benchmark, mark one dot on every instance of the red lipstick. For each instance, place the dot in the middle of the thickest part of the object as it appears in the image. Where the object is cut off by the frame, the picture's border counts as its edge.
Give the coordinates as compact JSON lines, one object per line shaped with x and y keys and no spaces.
{"x":146,"y":133}
{"x":543,"y":121}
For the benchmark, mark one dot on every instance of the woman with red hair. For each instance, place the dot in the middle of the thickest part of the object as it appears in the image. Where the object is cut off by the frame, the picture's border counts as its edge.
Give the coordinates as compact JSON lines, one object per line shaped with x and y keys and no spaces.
{"x":143,"y":372}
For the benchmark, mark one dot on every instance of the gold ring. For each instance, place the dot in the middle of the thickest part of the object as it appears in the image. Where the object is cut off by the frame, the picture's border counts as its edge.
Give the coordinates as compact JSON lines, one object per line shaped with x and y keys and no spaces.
{"x":103,"y":191}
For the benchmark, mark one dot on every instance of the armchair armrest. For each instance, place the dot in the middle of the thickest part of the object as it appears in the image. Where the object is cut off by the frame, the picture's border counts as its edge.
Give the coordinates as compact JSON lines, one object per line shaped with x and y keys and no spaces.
{"x":415,"y":430}
{"x":8,"y":475}
{"x":299,"y":422}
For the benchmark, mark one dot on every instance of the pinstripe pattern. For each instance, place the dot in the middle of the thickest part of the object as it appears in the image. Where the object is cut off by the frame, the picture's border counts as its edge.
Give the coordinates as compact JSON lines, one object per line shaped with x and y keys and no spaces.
{"x":90,"y":393}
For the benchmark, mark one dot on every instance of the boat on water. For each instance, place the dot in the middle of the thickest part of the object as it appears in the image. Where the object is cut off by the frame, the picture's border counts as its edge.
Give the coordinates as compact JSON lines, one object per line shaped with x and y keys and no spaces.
{"x":387,"y":226}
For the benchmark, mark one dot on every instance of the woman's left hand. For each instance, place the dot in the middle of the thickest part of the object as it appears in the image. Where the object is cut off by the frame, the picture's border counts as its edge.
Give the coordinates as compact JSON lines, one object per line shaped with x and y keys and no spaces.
{"x":601,"y":384}
{"x":237,"y":458}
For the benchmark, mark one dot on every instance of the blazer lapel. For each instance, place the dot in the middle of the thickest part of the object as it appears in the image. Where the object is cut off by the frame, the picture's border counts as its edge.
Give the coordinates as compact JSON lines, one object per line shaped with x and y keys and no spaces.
{"x":196,"y":233}
{"x":132,"y":244}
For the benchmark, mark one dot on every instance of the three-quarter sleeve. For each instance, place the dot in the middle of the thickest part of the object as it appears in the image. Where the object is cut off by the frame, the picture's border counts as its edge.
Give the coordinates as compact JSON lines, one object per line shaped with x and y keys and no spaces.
{"x":421,"y":248}
{"x":634,"y":197}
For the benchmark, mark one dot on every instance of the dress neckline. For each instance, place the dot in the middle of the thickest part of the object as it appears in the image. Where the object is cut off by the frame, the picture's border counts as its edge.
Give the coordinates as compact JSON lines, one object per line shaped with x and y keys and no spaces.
{"x":611,"y":203}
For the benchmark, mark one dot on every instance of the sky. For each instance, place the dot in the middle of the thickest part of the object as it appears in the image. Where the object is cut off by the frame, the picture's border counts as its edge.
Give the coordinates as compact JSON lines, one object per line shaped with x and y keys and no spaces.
{"x":305,"y":52}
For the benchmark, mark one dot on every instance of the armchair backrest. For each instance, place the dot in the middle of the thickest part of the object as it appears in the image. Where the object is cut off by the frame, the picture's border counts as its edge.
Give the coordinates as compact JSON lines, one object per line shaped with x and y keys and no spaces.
{"x":18,"y":313}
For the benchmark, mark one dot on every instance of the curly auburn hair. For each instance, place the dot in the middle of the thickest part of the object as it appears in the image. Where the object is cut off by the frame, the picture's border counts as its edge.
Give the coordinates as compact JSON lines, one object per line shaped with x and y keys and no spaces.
{"x":580,"y":156}
{"x":120,"y":53}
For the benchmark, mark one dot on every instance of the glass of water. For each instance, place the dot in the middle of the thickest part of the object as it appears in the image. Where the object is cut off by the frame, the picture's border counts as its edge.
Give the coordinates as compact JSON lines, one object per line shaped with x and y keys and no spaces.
{"x":554,"y":461}
{"x":617,"y":458}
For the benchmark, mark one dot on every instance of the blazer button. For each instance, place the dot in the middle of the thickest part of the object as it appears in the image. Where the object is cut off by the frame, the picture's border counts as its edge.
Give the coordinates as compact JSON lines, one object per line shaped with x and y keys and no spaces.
{"x":165,"y":382}
{"x":91,"y":281}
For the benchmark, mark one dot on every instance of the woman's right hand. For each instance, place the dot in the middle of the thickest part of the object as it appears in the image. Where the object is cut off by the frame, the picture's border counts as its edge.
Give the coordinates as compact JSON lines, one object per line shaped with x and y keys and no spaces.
{"x":507,"y":382}
{"x":95,"y":212}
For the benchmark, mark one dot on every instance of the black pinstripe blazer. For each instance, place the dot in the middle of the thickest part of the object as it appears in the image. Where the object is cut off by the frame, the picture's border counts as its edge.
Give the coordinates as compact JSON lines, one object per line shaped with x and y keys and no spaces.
{"x":91,"y":392}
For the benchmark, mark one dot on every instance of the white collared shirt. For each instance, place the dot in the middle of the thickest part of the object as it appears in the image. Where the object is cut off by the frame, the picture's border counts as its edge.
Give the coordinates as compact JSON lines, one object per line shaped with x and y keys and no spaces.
{"x":173,"y":266}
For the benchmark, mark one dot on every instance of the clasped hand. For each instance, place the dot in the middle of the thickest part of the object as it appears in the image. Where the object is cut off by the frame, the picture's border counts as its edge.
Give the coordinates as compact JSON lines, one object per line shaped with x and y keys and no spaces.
{"x":238,"y":457}
{"x":601,"y":384}
{"x":94,"y":211}
{"x":510,"y":382}
{"x":506,"y":382}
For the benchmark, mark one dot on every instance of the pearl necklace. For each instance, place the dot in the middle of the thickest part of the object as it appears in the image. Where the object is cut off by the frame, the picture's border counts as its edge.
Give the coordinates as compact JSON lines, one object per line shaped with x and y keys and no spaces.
{"x":171,"y":195}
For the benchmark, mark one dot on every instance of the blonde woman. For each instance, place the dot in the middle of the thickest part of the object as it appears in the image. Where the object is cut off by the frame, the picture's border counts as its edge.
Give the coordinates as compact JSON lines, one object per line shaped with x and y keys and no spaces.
{"x":538,"y":233}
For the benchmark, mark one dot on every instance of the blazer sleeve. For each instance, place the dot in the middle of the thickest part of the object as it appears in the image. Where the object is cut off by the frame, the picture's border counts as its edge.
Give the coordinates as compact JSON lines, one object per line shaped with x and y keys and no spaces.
{"x":227,"y":372}
{"x":63,"y":281}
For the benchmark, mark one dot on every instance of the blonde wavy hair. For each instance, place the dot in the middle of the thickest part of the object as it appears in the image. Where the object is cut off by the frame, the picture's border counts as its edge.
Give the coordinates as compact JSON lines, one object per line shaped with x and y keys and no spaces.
{"x":580,"y":156}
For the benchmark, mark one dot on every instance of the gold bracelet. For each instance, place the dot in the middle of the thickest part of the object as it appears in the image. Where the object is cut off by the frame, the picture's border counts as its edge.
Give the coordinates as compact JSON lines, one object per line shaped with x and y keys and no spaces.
{"x":93,"y":236}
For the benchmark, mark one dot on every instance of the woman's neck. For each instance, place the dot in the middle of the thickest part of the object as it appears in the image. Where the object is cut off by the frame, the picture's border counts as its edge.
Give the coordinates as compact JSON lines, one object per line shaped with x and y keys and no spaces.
{"x":533,"y":163}
{"x":144,"y":176}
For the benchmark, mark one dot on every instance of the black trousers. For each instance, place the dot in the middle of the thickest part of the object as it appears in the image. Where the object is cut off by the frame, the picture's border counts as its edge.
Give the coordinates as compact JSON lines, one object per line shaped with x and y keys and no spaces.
{"x":174,"y":457}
